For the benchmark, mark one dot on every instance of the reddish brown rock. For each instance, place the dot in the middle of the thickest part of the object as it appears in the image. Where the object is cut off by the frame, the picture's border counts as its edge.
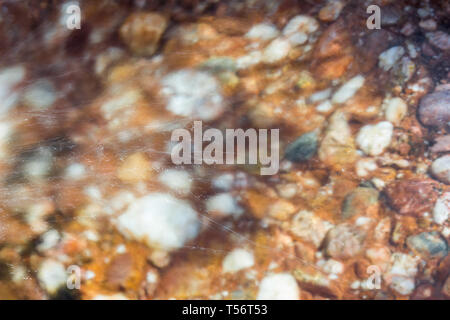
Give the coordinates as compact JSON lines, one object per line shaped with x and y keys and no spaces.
{"x":434,"y":110}
{"x":119,"y":270}
{"x":412,"y":197}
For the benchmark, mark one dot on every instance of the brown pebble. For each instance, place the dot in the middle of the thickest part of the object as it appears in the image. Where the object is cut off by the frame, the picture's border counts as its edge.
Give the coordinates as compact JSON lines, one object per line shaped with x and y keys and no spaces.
{"x":412,"y":197}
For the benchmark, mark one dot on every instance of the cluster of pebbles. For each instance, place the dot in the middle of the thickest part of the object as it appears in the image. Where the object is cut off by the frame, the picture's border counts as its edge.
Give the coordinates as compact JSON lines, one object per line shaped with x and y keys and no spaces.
{"x":89,"y":195}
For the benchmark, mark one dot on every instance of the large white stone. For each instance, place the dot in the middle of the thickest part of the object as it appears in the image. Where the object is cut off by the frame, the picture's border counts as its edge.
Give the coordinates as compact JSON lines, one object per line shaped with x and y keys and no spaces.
{"x":160,"y":220}
{"x":280,"y":286}
{"x":374,"y":139}
{"x":52,"y":275}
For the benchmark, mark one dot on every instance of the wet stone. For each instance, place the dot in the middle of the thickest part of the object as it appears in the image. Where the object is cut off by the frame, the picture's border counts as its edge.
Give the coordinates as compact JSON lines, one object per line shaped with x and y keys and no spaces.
{"x":428,"y":244}
{"x":303,"y":148}
{"x":360,"y":201}
{"x":412,"y":197}
{"x":344,"y":241}
{"x":441,"y":169}
{"x":434,"y":109}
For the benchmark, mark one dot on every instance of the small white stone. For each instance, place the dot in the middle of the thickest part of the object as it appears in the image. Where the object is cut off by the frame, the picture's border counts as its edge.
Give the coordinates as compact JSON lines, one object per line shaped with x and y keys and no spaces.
{"x":9,"y":78}
{"x":403,"y":265}
{"x":374,"y":139}
{"x":396,"y":110}
{"x":280,"y":286}
{"x":348,"y":89}
{"x":19,"y":273}
{"x":89,"y":275}
{"x":325,"y":106}
{"x":249,"y":60}
{"x":52,"y":275}
{"x":178,"y":180}
{"x":48,"y":240}
{"x":310,"y":227}
{"x":442,"y":209}
{"x":236,"y":260}
{"x":332,"y":267}
{"x":320,"y":95}
{"x":152,"y":277}
{"x":403,"y":285}
{"x":223,"y":182}
{"x":160,"y":220}
{"x":75,"y":171}
{"x":298,"y":38}
{"x":40,"y":165}
{"x":262,"y":31}
{"x":355,"y":285}
{"x":6,"y":132}
{"x":390,"y":57}
{"x":365,"y":166}
{"x":40,"y":95}
{"x":224,"y":203}
{"x":301,"y":23}
{"x":194,"y":94}
{"x":121,"y":248}
{"x":93,"y":192}
{"x":277,"y":50}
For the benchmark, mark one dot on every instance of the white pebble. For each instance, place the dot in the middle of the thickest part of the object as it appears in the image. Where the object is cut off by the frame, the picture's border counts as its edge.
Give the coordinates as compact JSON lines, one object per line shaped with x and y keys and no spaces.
{"x":389,"y":58}
{"x":403,"y":285}
{"x":348,"y":89}
{"x":178,"y":180}
{"x":365,"y":166}
{"x":277,"y":50}
{"x":159,"y":220}
{"x":301,"y":23}
{"x":40,"y":95}
{"x":320,"y":95}
{"x":262,"y":31}
{"x":325,"y":106}
{"x":396,"y":110}
{"x":281,"y":286}
{"x":9,"y":78}
{"x":48,"y":240}
{"x":442,"y":209}
{"x":223,"y":182}
{"x":236,"y":260}
{"x":52,"y":275}
{"x":374,"y":139}
{"x":225,"y":204}
{"x":75,"y":171}
{"x":6,"y":132}
{"x":332,"y":267}
{"x":194,"y":94}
